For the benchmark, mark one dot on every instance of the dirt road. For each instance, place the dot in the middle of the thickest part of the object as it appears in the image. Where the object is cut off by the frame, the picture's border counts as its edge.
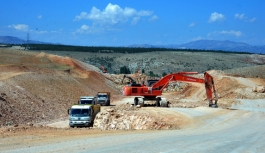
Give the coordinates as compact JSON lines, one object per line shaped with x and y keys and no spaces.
{"x":212,"y":130}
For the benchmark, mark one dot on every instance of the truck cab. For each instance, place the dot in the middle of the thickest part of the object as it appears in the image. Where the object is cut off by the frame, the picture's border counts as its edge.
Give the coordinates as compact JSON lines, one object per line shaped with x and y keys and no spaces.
{"x":83,"y":113}
{"x":103,"y":98}
{"x":87,"y":100}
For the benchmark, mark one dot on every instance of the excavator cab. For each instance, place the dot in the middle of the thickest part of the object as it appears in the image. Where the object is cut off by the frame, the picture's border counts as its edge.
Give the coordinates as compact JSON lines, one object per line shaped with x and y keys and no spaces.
{"x":151,"y":82}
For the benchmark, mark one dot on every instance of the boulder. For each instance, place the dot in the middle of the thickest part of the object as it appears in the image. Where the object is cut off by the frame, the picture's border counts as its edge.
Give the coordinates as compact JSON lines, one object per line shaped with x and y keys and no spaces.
{"x":259,"y":89}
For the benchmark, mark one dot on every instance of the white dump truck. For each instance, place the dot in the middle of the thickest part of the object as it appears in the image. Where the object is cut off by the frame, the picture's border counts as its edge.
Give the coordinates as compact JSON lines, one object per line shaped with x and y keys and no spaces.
{"x":87,"y":100}
{"x":103,"y":98}
{"x":84,"y":113}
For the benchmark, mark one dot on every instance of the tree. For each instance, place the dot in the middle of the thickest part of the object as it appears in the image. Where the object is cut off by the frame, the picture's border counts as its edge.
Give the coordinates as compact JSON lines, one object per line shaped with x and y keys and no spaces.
{"x":164,"y":74}
{"x":125,"y":70}
{"x":151,"y":73}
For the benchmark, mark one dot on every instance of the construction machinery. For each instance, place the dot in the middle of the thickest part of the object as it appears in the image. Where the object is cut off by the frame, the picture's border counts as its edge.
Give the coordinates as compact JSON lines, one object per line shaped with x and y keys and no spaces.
{"x":103,"y":98}
{"x":87,"y":100}
{"x":83,"y":113}
{"x":153,"y":89}
{"x":103,"y":69}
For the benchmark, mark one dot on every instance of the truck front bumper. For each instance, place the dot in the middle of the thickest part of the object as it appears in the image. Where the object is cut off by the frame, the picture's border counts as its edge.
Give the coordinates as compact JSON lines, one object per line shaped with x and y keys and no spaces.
{"x":79,"y":123}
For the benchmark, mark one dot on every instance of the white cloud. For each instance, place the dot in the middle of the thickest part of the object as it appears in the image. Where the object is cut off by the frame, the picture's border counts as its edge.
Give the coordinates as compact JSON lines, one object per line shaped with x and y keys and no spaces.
{"x":20,"y":27}
{"x":192,"y":25}
{"x":153,"y":18}
{"x":240,"y":16}
{"x":113,"y":14}
{"x":244,"y":18}
{"x":216,"y":17}
{"x":39,"y":17}
{"x":197,"y":38}
{"x":84,"y":29}
{"x":231,"y":32}
{"x":252,"y":20}
{"x":135,"y":20}
{"x":144,"y":13}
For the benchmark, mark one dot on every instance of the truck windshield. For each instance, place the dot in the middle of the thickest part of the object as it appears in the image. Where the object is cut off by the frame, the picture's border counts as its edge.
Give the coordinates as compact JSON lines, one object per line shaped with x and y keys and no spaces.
{"x":80,"y":112}
{"x":87,"y":101}
{"x":102,"y":96}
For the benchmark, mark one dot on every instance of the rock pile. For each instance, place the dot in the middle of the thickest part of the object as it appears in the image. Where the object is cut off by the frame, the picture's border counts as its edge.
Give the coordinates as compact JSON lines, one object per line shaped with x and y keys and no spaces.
{"x":128,"y":117}
{"x":259,"y":89}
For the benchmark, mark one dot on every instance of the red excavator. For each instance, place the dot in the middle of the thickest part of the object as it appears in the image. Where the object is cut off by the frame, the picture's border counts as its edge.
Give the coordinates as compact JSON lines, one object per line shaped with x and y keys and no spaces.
{"x":153,"y":90}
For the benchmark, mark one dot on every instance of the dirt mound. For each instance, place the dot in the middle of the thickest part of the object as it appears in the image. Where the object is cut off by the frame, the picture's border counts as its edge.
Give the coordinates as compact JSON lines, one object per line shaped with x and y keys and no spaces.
{"x":129,"y":117}
{"x":34,"y":89}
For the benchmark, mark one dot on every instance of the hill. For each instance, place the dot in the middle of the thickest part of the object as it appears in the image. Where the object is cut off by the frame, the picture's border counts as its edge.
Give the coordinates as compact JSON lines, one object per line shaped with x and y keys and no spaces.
{"x":39,"y":87}
{"x":223,"y":45}
{"x":161,"y":62}
{"x":15,"y":40}
{"x":215,"y":45}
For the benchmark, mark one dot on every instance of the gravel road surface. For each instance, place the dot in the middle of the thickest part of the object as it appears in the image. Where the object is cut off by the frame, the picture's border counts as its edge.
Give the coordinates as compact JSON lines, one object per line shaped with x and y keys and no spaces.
{"x":212,"y":130}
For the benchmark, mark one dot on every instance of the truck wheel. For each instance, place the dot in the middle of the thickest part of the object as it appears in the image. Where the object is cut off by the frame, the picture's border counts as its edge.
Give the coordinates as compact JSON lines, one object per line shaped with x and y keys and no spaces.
{"x":108,"y":103}
{"x":136,"y":101}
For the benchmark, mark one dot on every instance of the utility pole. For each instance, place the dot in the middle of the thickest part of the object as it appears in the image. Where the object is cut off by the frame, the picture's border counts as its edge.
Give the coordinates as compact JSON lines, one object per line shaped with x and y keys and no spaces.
{"x":27,"y":48}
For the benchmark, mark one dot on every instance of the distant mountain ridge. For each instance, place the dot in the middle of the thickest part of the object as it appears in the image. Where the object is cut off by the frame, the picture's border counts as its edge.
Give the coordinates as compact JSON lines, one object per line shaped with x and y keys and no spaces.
{"x":15,"y":40}
{"x":199,"y":44}
{"x":212,"y":45}
{"x":223,"y":45}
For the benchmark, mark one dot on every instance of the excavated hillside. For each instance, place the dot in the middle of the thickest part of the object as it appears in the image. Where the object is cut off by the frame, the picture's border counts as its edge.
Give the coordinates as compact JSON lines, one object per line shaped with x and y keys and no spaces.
{"x":38,"y":87}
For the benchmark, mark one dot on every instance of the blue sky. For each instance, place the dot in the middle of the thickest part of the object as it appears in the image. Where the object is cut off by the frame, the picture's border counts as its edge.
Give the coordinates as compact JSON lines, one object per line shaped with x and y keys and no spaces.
{"x":121,"y":22}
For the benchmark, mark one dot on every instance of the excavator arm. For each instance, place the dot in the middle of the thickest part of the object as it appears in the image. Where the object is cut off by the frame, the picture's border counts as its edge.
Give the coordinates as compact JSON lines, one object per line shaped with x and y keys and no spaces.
{"x":182,"y":77}
{"x":131,"y":79}
{"x":210,"y":90}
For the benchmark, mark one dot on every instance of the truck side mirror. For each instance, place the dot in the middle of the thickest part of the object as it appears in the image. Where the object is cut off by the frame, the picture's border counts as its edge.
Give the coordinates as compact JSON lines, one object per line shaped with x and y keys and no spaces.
{"x":68,"y":111}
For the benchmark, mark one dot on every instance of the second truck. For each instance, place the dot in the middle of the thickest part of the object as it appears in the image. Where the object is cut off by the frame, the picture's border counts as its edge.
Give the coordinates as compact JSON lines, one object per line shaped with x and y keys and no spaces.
{"x":103,"y":98}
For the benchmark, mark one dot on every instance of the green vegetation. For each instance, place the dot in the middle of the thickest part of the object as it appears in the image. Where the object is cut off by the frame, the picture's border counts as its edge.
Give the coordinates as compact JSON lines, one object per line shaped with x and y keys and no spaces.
{"x":105,"y":49}
{"x":164,"y":74}
{"x":125,"y":70}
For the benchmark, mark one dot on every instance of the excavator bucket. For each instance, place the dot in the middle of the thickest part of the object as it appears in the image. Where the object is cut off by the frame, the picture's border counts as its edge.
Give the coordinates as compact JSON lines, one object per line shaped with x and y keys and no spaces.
{"x":210,"y":90}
